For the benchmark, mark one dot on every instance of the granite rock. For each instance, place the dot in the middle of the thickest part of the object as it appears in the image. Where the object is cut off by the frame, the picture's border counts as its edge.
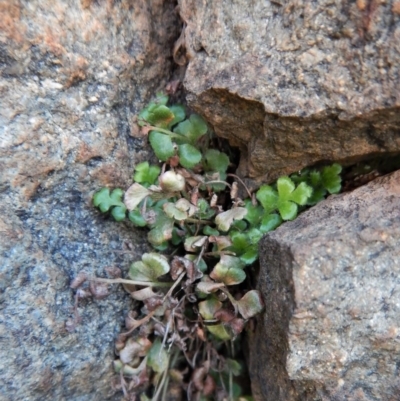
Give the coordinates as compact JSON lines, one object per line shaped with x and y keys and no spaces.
{"x":73,"y":75}
{"x":331,"y":284}
{"x":294,"y":83}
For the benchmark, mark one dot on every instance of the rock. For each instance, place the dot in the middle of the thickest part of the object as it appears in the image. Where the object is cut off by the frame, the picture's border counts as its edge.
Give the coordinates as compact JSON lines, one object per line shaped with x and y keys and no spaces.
{"x":73,"y":75}
{"x":294,"y":83}
{"x":331,"y":284}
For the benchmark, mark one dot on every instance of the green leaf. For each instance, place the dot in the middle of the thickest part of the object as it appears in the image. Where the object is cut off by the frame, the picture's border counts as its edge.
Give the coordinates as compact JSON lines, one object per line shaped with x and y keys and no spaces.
{"x":160,"y":116}
{"x":146,"y":174}
{"x":288,"y":210}
{"x":301,"y":194}
{"x":179,"y":114}
{"x":208,"y":307}
{"x":268,"y":197}
{"x":219,"y":331}
{"x":240,"y":242}
{"x":177,"y":238}
{"x":207,"y":310}
{"x":214,"y":160}
{"x":239,"y":225}
{"x":269,"y":222}
{"x":245,"y":245}
{"x":161,"y":247}
{"x":189,"y":156}
{"x":285,"y":187}
{"x":136,"y":218}
{"x":233,"y":366}
{"x":162,"y":145}
{"x":134,"y":195}
{"x":250,"y":256}
{"x":225,"y":219}
{"x":214,"y":176}
{"x":255,"y":235}
{"x":201,"y":265}
{"x":192,"y":129}
{"x":119,"y":213}
{"x":254,"y":213}
{"x":229,"y":270}
{"x":145,"y":115}
{"x":286,"y":199}
{"x":161,"y":230}
{"x":331,"y":178}
{"x":250,"y":304}
{"x":104,"y":201}
{"x":152,"y":266}
{"x":207,"y":230}
{"x":205,"y":212}
{"x":157,"y":358}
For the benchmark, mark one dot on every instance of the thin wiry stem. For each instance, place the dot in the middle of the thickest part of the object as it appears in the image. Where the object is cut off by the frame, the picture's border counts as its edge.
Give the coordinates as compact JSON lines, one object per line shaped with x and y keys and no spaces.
{"x":132,"y":282}
{"x":241,"y":181}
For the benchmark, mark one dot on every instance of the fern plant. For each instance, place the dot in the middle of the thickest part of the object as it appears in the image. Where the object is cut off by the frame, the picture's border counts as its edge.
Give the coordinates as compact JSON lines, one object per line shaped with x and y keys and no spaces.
{"x":192,"y":303}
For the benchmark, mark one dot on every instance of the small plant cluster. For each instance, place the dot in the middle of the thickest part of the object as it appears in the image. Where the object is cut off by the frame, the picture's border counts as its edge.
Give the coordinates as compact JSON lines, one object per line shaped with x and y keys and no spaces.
{"x":191,"y":300}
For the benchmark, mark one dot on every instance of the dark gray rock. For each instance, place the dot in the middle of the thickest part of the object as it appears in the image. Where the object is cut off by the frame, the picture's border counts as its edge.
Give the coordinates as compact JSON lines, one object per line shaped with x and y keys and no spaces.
{"x":73,"y":75}
{"x":331,"y":284}
{"x":293,"y":83}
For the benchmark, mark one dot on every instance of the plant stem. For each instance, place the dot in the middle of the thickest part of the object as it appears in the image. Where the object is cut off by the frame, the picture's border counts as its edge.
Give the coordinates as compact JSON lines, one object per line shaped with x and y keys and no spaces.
{"x":219,"y":253}
{"x":161,"y":385}
{"x":167,"y":132}
{"x":178,"y":280}
{"x":206,"y":222}
{"x":233,"y":300}
{"x":241,"y":181}
{"x":132,"y":282}
{"x":218,"y":182}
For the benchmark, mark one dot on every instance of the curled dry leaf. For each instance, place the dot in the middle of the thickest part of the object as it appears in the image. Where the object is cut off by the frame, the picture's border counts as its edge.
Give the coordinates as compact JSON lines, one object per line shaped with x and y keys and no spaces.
{"x":224,"y":315}
{"x":208,"y":287}
{"x":229,"y":270}
{"x":222,"y":241}
{"x":82,"y":293}
{"x":198,"y":376}
{"x":130,"y":321}
{"x":209,"y":386}
{"x":99,"y":291}
{"x":185,"y":205}
{"x":177,"y":267}
{"x":78,"y":280}
{"x":113,"y":271}
{"x":143,"y":294}
{"x":153,"y":303}
{"x":134,"y":195}
{"x":237,"y":325}
{"x":134,"y":348}
{"x":193,"y":244}
{"x":234,"y":190}
{"x":250,"y":304}
{"x":225,"y":219}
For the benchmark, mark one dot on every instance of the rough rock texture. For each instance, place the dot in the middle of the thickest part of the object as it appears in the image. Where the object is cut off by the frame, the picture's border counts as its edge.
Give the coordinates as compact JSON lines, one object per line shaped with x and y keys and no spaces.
{"x":296,"y":82}
{"x":73,"y":74}
{"x":331,"y":283}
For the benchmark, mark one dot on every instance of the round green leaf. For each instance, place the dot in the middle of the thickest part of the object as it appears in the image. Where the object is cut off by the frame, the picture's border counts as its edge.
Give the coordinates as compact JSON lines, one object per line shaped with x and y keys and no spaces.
{"x":268,"y":197}
{"x":288,"y":210}
{"x":162,"y":145}
{"x":269,"y":222}
{"x":136,"y":218}
{"x":119,"y":213}
{"x":189,"y":156}
{"x":157,"y":358}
